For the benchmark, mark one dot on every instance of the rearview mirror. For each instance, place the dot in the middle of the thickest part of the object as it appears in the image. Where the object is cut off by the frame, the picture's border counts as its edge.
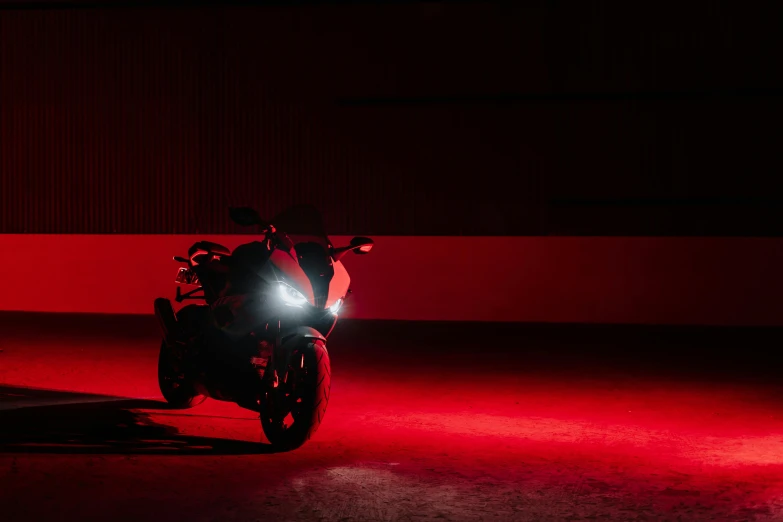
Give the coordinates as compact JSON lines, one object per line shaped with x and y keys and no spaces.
{"x":245,"y":216}
{"x":361,"y":245}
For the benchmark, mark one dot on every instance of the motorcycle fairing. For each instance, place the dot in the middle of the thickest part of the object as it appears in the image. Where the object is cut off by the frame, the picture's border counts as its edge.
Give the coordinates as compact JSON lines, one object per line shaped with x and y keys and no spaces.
{"x":283,"y":267}
{"x":320,"y":279}
{"x":338,"y":286}
{"x":317,"y":265}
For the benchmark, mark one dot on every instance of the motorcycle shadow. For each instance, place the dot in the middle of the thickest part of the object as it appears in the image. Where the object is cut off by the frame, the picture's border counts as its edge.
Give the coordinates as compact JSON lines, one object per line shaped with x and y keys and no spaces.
{"x":55,"y":422}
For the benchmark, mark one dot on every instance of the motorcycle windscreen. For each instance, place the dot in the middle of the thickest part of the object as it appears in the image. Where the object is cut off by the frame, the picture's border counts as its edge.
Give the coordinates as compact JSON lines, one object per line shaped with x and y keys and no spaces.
{"x":303,"y":224}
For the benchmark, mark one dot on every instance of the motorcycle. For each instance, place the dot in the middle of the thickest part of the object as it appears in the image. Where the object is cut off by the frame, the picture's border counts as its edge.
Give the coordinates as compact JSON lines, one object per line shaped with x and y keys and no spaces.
{"x":258,"y":339}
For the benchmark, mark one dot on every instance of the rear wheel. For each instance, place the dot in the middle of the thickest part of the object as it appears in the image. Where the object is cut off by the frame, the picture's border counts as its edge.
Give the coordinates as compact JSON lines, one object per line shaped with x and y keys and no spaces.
{"x":178,"y":391}
{"x":292,"y":412}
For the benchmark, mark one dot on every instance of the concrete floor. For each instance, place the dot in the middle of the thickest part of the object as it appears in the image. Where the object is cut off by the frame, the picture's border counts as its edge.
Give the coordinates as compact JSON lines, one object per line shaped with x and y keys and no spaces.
{"x":443,"y":422}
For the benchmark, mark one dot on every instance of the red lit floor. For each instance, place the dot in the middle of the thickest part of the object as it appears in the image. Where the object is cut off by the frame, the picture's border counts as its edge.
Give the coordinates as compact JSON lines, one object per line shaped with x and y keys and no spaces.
{"x":423,"y":423}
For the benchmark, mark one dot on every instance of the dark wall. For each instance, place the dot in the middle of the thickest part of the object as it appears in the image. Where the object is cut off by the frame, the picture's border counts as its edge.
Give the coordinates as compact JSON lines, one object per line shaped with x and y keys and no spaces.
{"x":413,"y":119}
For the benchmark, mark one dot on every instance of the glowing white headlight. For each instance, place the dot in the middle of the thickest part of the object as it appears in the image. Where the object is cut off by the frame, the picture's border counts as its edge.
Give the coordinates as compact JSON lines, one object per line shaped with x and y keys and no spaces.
{"x":336,"y":306}
{"x":291,"y":296}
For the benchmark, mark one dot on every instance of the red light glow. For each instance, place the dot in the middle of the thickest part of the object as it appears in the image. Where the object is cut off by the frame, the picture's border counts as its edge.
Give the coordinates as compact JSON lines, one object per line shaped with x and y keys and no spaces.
{"x":519,"y":440}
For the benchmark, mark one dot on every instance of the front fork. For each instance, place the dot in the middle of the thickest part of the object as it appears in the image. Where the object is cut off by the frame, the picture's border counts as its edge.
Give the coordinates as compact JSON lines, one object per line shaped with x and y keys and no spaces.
{"x":267,"y":366}
{"x":278,"y":365}
{"x":271,"y":377}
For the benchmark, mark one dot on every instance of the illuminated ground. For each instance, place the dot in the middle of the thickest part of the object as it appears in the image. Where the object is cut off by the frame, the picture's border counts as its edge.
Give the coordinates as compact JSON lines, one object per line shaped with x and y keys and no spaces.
{"x":541,"y":424}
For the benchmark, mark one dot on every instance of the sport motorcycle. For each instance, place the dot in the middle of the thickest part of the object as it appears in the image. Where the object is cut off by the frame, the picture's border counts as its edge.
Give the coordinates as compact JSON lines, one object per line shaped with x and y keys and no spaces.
{"x":258,"y":335}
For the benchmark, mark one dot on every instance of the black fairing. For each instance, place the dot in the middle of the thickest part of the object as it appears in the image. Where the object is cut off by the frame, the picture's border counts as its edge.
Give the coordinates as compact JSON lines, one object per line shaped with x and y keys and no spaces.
{"x":317,"y":265}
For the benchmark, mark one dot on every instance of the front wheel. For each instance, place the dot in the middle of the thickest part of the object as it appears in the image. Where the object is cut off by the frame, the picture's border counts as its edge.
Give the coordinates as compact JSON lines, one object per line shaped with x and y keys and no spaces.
{"x":178,"y":391}
{"x":292,"y":412}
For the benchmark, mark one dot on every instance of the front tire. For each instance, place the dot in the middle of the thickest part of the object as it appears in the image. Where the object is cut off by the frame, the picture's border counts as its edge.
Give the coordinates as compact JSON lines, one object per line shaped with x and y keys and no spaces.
{"x":292,"y":412}
{"x":178,"y":391}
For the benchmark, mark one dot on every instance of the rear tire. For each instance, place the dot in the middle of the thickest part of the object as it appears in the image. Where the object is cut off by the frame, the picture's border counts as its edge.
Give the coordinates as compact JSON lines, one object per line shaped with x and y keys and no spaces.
{"x":178,"y":391}
{"x":290,"y":415}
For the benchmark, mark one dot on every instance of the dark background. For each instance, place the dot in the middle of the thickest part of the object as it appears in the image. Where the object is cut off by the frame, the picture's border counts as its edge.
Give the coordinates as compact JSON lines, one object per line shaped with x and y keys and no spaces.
{"x":548,"y":118}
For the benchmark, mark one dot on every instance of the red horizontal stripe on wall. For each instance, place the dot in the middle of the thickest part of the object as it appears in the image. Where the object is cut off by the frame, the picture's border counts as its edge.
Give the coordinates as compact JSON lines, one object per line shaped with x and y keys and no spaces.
{"x":703,"y":281}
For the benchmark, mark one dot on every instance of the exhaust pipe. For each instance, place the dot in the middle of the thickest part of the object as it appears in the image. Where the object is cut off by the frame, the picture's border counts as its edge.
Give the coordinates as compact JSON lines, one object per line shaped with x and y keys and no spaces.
{"x":167,"y":320}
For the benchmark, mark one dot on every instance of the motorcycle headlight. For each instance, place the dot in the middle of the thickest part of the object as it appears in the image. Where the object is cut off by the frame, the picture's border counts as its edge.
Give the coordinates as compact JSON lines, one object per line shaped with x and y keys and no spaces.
{"x":291,"y":296}
{"x":336,"y":306}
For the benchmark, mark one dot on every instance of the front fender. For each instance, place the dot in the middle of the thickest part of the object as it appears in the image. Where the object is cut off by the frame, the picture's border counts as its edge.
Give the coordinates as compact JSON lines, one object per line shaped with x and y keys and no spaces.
{"x":300,"y":332}
{"x":290,"y":339}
